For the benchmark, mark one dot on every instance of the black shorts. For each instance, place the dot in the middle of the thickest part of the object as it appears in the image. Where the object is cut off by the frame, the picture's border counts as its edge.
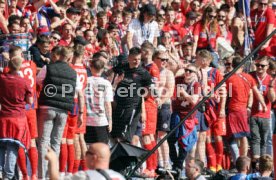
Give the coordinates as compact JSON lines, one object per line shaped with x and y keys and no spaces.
{"x":125,"y":121}
{"x":164,"y":118}
{"x":96,"y":134}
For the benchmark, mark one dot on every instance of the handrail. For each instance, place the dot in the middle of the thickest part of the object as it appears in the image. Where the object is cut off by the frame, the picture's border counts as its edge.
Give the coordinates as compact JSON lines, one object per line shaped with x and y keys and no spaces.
{"x":199,"y":104}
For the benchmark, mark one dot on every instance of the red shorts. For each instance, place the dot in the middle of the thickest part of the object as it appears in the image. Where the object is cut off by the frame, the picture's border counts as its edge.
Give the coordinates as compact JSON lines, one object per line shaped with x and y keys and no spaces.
{"x":237,"y":124}
{"x":32,"y":122}
{"x":151,"y":119}
{"x":15,"y":128}
{"x":70,"y":127}
{"x":217,"y":128}
{"x":82,"y":128}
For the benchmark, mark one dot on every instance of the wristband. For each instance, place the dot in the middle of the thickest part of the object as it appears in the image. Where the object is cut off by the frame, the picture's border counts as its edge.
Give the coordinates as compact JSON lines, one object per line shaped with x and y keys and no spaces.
{"x":80,"y":112}
{"x":270,"y":86}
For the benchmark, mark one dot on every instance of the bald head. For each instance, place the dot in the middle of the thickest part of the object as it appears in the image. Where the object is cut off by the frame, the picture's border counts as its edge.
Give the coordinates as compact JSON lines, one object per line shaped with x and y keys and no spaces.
{"x":98,"y":156}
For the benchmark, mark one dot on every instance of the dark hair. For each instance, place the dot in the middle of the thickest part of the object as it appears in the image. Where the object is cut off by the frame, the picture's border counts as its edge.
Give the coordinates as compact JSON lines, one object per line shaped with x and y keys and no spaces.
{"x":13,"y":49}
{"x":111,"y":27}
{"x":41,"y":39}
{"x":134,"y":51}
{"x":79,"y":50}
{"x":56,"y":32}
{"x":57,"y":49}
{"x":242,"y":162}
{"x":97,"y":64}
{"x":272,"y":65}
{"x":147,"y":45}
{"x":13,"y":18}
{"x":236,"y":61}
{"x":101,"y":14}
{"x":127,"y":12}
{"x":86,"y":31}
{"x":97,"y":55}
{"x":266,"y":163}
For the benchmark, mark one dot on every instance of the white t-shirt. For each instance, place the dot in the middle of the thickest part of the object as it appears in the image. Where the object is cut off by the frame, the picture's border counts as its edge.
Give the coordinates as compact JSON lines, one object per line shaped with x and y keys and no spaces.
{"x":97,"y":92}
{"x":142,"y":32}
{"x":93,"y":174}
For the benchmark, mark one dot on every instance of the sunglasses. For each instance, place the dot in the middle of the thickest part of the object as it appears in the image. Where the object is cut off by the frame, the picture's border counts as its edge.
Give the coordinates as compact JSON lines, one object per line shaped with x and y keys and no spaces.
{"x":85,"y":22}
{"x":55,"y":38}
{"x":263,"y":4}
{"x":221,"y":16}
{"x":196,"y":5}
{"x":89,"y":153}
{"x":228,"y":64}
{"x":163,"y":59}
{"x":261,"y":65}
{"x":189,"y":71}
{"x":211,"y":16}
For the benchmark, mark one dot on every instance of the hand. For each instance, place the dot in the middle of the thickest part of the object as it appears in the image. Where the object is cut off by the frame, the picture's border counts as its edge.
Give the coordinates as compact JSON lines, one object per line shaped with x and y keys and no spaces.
{"x":248,"y":112}
{"x":264,"y":108}
{"x":264,"y":46}
{"x":158,"y":101}
{"x":51,"y":155}
{"x":80,"y":119}
{"x":119,"y":78}
{"x":222,"y":113}
{"x":109,"y":126}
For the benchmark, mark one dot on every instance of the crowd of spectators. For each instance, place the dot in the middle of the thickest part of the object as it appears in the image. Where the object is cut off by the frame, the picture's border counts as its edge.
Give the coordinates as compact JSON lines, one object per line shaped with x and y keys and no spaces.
{"x":75,"y":73}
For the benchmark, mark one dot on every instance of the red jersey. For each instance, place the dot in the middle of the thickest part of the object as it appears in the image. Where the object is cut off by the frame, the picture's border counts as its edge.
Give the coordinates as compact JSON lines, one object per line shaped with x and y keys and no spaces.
{"x":13,"y":92}
{"x":263,"y":86}
{"x":184,"y":31}
{"x":155,"y":75}
{"x":239,"y":86}
{"x":260,"y":20}
{"x":82,"y":76}
{"x":181,"y":105}
{"x":28,"y":72}
{"x":173,"y":29}
{"x":203,"y":36}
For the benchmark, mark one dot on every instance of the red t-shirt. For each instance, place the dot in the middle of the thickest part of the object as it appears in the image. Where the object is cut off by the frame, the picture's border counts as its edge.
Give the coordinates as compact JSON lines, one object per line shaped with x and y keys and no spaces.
{"x":262,"y":19}
{"x":63,"y":42}
{"x":82,"y":76}
{"x":183,"y":31}
{"x":155,"y":75}
{"x":173,"y":29}
{"x":239,"y":86}
{"x":181,"y":105}
{"x":263,"y":86}
{"x":28,"y":71}
{"x":202,"y":36}
{"x":13,"y":92}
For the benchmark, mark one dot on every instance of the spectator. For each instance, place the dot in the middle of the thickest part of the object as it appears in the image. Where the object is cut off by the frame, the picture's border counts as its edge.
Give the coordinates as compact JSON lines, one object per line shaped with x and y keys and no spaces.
{"x":265,"y":169}
{"x":194,"y":170}
{"x":186,"y":95}
{"x":15,"y":92}
{"x":165,"y":88}
{"x":99,"y":96}
{"x":41,"y":51}
{"x":101,"y":24}
{"x":263,"y":20}
{"x":243,"y":167}
{"x":98,"y":156}
{"x":238,"y":109}
{"x":144,"y":28}
{"x":67,"y":35}
{"x":260,"y":117}
{"x":53,"y":109}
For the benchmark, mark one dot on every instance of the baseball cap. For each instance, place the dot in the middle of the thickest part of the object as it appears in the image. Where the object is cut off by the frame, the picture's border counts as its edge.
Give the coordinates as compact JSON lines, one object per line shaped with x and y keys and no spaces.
{"x":191,"y":15}
{"x":150,"y":9}
{"x":80,"y":40}
{"x":43,"y":30}
{"x":73,"y":10}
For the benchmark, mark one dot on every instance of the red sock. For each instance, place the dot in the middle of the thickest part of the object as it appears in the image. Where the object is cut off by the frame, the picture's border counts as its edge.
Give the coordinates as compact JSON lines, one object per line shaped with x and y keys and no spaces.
{"x":76,"y":165}
{"x":63,"y":157}
{"x":219,"y":152}
{"x":211,"y":156}
{"x":83,"y":165}
{"x":71,"y":157}
{"x":155,"y":154}
{"x":33,"y":159}
{"x":21,"y":161}
{"x":150,"y":165}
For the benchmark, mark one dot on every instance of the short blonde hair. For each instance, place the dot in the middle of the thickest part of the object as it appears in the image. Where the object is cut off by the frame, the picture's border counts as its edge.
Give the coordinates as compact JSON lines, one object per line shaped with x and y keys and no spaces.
{"x":205,"y":54}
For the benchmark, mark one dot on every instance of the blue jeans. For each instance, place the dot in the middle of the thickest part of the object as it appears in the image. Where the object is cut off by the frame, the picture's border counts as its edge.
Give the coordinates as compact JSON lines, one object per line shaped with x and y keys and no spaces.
{"x":8,"y":157}
{"x":51,"y":123}
{"x":269,"y":148}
